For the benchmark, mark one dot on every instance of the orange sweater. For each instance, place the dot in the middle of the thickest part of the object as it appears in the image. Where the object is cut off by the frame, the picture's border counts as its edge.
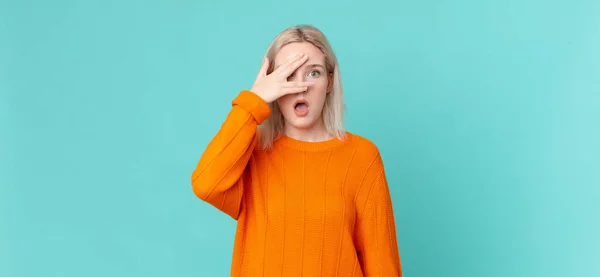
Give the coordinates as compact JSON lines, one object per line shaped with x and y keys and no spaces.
{"x":303,"y":208}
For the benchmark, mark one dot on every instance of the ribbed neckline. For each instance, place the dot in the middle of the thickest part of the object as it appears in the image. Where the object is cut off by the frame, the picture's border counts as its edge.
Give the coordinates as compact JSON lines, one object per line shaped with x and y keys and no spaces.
{"x":312,"y":145}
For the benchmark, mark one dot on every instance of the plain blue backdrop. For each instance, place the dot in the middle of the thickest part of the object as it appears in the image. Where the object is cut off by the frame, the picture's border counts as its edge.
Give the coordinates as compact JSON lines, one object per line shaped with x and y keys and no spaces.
{"x":486,"y":113}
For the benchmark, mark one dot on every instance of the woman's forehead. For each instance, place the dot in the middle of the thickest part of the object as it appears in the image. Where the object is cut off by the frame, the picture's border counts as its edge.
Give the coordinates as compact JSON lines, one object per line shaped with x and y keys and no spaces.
{"x":314,"y":54}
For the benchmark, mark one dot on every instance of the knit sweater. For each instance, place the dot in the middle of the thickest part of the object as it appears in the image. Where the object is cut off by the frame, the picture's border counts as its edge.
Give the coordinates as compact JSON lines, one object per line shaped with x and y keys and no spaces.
{"x":302,"y":208}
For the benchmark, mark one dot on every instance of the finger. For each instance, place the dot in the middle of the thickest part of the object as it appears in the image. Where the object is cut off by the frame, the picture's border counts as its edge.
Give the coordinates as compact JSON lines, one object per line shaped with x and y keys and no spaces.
{"x":285,"y":91}
{"x":291,"y":65}
{"x":297,"y":84}
{"x":264,"y":67}
{"x":289,"y":60}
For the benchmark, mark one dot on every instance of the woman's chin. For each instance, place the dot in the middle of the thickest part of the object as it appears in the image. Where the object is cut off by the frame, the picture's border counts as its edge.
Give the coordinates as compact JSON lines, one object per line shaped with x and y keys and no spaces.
{"x":301,"y":123}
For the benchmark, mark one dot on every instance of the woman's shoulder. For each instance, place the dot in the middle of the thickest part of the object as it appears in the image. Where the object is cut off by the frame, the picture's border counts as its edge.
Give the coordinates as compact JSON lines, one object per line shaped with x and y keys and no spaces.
{"x":365,"y":153}
{"x":363,"y":144}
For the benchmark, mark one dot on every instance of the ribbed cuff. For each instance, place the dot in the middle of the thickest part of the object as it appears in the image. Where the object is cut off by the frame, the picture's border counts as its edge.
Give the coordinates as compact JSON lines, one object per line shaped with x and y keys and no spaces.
{"x":252,"y":103}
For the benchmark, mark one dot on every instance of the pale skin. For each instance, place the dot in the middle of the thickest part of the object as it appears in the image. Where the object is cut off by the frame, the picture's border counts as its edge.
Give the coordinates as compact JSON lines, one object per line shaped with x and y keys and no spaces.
{"x":299,"y":75}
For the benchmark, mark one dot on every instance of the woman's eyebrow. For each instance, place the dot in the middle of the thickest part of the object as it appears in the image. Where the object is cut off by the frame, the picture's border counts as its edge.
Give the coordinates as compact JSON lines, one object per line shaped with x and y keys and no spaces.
{"x":315,"y":65}
{"x":308,"y":66}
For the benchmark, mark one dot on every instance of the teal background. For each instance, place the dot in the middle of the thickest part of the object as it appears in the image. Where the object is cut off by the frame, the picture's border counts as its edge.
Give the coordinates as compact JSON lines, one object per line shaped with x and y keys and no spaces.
{"x":486,"y":112}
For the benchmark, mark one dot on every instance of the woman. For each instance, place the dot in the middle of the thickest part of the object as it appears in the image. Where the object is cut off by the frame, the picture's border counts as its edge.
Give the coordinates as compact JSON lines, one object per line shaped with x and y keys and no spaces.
{"x":310,"y":198}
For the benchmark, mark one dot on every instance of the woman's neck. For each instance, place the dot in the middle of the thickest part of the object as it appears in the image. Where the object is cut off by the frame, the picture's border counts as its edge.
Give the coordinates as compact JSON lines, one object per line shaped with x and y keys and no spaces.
{"x":316,"y":133}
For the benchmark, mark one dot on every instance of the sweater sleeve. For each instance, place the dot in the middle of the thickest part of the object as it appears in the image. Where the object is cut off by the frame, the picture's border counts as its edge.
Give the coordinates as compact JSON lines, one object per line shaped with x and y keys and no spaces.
{"x":375,"y":231}
{"x":222,"y":170}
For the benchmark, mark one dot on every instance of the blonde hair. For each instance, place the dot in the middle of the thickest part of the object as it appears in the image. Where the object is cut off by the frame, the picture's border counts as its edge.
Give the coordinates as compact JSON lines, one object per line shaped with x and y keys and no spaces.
{"x":333,"y":111}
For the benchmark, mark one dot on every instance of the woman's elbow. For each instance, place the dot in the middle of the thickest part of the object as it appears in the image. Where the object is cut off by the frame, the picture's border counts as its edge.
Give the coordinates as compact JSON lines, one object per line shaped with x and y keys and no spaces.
{"x":200,"y":186}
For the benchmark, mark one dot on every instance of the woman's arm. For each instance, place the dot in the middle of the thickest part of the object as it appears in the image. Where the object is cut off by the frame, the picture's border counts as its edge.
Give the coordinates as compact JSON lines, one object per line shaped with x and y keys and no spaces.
{"x":375,"y":231}
{"x":218,"y":177}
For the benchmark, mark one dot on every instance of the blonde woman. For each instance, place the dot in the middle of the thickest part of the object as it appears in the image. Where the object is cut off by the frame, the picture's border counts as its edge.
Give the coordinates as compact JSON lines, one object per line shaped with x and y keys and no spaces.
{"x":310,"y":198}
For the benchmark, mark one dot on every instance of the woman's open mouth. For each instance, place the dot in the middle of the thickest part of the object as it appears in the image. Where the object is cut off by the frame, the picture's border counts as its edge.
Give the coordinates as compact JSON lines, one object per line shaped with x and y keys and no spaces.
{"x":301,"y":108}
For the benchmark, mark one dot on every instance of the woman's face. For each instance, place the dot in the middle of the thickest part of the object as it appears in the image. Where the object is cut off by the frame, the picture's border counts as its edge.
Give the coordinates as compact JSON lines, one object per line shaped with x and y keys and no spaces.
{"x":303,"y":110}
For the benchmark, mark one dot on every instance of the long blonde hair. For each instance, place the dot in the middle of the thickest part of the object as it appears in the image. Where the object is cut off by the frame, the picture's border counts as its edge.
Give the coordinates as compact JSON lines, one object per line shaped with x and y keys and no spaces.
{"x":333,"y":110}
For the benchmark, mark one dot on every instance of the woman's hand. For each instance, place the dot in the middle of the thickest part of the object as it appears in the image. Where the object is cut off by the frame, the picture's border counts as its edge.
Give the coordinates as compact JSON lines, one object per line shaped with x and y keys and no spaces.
{"x":271,"y":87}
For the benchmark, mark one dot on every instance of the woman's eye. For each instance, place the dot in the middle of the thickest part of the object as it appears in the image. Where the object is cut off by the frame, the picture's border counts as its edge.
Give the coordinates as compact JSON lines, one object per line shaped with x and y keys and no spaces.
{"x":314,"y":73}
